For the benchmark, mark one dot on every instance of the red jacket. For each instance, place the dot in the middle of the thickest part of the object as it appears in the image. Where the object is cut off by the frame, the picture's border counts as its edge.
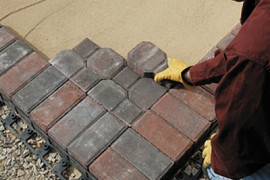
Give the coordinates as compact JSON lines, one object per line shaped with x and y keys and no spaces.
{"x":242,"y":97}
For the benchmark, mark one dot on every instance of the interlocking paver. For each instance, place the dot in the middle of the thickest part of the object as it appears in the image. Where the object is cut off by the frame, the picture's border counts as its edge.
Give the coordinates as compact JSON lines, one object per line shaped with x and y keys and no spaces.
{"x":81,"y":116}
{"x":209,"y":55}
{"x":126,"y":78}
{"x":141,"y":154}
{"x":38,"y":89}
{"x":95,"y":139}
{"x":60,"y":102}
{"x":211,"y":87}
{"x":6,"y":38}
{"x":199,"y":100}
{"x":162,"y":135}
{"x":21,"y":73}
{"x":85,"y":48}
{"x":223,"y":43}
{"x":108,"y":93}
{"x":110,"y":165}
{"x":105,"y":62}
{"x":127,"y":111}
{"x":181,"y":116}
{"x":85,"y":79}
{"x":145,"y":58}
{"x":67,"y":62}
{"x":145,"y":92}
{"x":13,"y":54}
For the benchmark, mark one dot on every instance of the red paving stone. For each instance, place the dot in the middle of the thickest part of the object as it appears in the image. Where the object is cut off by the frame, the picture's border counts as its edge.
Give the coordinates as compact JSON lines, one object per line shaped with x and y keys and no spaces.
{"x":20,"y":74}
{"x":85,"y":48}
{"x":48,"y":112}
{"x":162,"y":135}
{"x":6,"y":38}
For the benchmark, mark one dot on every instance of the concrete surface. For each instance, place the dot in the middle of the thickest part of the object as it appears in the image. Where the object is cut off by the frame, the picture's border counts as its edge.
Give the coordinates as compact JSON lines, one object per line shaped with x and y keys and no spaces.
{"x":185,"y":29}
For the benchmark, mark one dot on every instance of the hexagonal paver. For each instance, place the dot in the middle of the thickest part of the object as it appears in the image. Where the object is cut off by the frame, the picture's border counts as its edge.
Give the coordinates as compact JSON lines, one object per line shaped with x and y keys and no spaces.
{"x":126,"y":78}
{"x":85,"y":48}
{"x":6,"y":38}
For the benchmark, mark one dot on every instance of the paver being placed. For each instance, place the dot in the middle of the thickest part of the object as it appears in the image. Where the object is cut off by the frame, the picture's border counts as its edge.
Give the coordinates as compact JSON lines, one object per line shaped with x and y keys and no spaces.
{"x":95,"y":139}
{"x":126,"y":78}
{"x":38,"y":89}
{"x":6,"y":38}
{"x":60,"y":102}
{"x":142,"y":154}
{"x":12,"y":55}
{"x":108,"y":93}
{"x":105,"y":62}
{"x":81,"y":116}
{"x":21,"y":73}
{"x":67,"y":62}
{"x":85,"y":48}
{"x":110,"y":165}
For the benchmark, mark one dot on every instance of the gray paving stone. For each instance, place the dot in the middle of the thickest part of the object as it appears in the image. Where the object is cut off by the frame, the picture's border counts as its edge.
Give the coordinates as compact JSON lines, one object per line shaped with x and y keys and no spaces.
{"x":127,"y":111}
{"x":86,"y":48}
{"x":108,"y":93}
{"x":141,"y":154}
{"x":13,"y":54}
{"x":126,"y":78}
{"x":67,"y":62}
{"x":96,"y":138}
{"x":38,"y":89}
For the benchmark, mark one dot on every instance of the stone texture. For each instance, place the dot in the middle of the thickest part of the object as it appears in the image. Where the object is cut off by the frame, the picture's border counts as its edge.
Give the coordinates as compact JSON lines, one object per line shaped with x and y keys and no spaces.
{"x":110,"y":165}
{"x":199,"y":100}
{"x":85,"y":48}
{"x":108,"y":93}
{"x":126,"y":78}
{"x":60,"y":102}
{"x":67,"y":62}
{"x":85,"y":79}
{"x":181,"y":116}
{"x":21,"y":73}
{"x":145,"y":92}
{"x":127,"y":111}
{"x":142,"y":155}
{"x":223,"y":43}
{"x":6,"y":38}
{"x":38,"y":89}
{"x":81,"y":116}
{"x":95,"y":139}
{"x":13,"y":54}
{"x":105,"y":62}
{"x":145,"y":58}
{"x":162,"y":135}
{"x":236,"y":29}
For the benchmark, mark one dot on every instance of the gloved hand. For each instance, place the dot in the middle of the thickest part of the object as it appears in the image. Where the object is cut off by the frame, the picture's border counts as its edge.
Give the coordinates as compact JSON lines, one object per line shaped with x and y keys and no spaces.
{"x":173,"y":72}
{"x":206,"y":154}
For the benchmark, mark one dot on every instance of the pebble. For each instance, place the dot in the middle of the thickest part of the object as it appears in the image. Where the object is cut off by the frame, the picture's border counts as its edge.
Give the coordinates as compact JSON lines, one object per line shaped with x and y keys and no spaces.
{"x":20,"y":173}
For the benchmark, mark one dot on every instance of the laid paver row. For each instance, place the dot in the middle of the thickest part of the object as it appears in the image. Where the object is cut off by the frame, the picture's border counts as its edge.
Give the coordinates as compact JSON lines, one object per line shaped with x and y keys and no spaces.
{"x":104,"y":112}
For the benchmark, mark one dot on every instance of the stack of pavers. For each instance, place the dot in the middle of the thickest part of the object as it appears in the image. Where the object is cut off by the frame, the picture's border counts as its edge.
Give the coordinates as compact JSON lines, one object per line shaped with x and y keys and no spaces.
{"x":104,"y":113}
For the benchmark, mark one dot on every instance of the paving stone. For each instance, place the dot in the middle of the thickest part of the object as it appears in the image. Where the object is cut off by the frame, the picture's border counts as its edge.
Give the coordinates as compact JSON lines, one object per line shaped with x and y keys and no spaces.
{"x":108,"y":93}
{"x":145,"y":58}
{"x":162,"y":135}
{"x":105,"y":62}
{"x":38,"y":89}
{"x":209,"y":55}
{"x":81,"y":116}
{"x":67,"y":62}
{"x":85,"y":79}
{"x":145,"y":92}
{"x":13,"y":54}
{"x":127,"y":111}
{"x":95,"y":139}
{"x":60,"y":102}
{"x":6,"y":38}
{"x":21,"y":73}
{"x":236,"y":29}
{"x":223,"y":43}
{"x":181,"y":116}
{"x":110,"y":165}
{"x":211,"y":87}
{"x":85,"y":48}
{"x":199,"y":100}
{"x":126,"y":78}
{"x":142,"y":155}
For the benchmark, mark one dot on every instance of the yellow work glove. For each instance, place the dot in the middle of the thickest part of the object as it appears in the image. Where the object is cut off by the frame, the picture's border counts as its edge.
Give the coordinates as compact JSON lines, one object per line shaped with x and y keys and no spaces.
{"x":173,"y":72}
{"x":206,"y":154}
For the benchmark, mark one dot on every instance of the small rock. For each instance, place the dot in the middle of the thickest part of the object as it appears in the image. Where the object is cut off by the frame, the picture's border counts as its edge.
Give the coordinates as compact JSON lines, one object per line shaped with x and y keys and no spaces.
{"x":20,"y":173}
{"x":2,"y":128}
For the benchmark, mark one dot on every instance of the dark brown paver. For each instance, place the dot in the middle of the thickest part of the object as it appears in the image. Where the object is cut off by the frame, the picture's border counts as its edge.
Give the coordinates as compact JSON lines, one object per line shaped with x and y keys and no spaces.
{"x":81,"y":116}
{"x":60,"y":102}
{"x":181,"y":116}
{"x":95,"y":139}
{"x":105,"y":62}
{"x":21,"y":73}
{"x":142,"y":155}
{"x":85,"y":48}
{"x":162,"y":135}
{"x":126,"y":78}
{"x":6,"y":38}
{"x":110,"y":165}
{"x":223,"y":43}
